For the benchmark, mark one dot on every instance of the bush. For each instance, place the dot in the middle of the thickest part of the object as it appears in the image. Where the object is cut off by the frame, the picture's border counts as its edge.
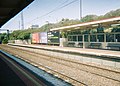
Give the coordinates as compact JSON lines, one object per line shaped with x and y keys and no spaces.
{"x":5,"y":41}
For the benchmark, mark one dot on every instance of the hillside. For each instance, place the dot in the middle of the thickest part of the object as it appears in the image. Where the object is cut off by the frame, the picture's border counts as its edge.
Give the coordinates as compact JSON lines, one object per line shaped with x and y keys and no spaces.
{"x":25,"y":34}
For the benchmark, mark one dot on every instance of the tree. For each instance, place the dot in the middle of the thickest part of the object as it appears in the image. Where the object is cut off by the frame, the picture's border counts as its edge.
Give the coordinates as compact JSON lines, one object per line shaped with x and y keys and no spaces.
{"x":89,"y":18}
{"x":25,"y":34}
{"x":112,"y":14}
{"x":5,"y":41}
{"x":3,"y":38}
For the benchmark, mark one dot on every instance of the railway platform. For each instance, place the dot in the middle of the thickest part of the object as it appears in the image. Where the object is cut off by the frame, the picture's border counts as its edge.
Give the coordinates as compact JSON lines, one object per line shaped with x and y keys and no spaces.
{"x":101,"y":57}
{"x":68,"y":64}
{"x":96,"y":52}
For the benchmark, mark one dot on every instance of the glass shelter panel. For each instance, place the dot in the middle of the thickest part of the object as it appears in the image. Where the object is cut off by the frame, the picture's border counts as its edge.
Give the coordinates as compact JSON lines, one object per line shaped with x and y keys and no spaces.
{"x":70,"y":38}
{"x":80,"y":38}
{"x":93,"y":38}
{"x":86,"y":38}
{"x":117,"y":36}
{"x":100,"y":38}
{"x":74,"y":38}
{"x":110,"y":38}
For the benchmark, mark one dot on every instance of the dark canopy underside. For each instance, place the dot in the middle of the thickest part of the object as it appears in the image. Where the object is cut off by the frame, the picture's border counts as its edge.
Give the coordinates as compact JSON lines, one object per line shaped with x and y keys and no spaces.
{"x":9,"y":8}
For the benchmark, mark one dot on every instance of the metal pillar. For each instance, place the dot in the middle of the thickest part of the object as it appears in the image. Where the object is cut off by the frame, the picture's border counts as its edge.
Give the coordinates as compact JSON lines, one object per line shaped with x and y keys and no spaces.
{"x":8,"y":34}
{"x":22,"y":21}
{"x":83,"y":42}
{"x":80,"y":9}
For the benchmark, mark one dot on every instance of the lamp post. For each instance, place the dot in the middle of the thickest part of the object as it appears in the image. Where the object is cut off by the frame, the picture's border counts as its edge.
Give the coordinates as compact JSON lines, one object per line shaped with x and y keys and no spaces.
{"x":22,"y":21}
{"x":80,"y":8}
{"x":48,"y":25}
{"x":8,"y":34}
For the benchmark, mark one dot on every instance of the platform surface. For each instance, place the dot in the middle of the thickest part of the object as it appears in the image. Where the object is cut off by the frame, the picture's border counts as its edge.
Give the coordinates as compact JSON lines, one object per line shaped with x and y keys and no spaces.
{"x":97,"y":52}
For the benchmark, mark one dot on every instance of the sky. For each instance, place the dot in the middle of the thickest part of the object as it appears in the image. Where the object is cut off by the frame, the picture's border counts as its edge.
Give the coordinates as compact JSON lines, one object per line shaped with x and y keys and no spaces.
{"x":41,"y":12}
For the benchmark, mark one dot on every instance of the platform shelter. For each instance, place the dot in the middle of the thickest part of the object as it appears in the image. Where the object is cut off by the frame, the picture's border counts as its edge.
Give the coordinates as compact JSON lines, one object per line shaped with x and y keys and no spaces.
{"x":96,"y":34}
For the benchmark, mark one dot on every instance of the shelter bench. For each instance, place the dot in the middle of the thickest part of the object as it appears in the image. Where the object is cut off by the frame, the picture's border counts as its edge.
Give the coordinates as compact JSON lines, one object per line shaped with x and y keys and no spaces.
{"x":94,"y":45}
{"x":80,"y":44}
{"x":113,"y":45}
{"x":71,"y":44}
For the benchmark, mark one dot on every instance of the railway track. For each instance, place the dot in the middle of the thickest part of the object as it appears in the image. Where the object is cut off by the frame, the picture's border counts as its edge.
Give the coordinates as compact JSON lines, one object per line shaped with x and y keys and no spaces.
{"x":28,"y":74}
{"x":46,"y":68}
{"x":96,"y":71}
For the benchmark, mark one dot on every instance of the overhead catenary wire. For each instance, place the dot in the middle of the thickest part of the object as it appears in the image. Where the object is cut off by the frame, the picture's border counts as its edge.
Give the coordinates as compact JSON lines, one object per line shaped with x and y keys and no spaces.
{"x":56,"y":9}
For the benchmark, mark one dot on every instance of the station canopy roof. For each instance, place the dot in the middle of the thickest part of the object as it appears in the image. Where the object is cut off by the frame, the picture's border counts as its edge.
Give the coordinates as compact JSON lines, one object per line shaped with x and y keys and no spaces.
{"x":9,"y":8}
{"x":89,"y":25}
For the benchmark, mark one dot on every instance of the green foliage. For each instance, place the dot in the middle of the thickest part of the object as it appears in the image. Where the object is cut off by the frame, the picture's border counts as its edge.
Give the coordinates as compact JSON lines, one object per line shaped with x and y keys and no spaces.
{"x":63,"y":34}
{"x":66,"y":22}
{"x":117,"y":29}
{"x":112,"y":14}
{"x":14,"y":34}
{"x":100,"y":30}
{"x":3,"y":38}
{"x":89,"y":18}
{"x":5,"y":41}
{"x":25,"y":34}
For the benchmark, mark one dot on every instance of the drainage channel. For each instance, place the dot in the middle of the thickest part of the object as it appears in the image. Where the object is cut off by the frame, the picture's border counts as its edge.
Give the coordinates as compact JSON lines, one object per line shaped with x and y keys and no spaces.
{"x":48,"y":79}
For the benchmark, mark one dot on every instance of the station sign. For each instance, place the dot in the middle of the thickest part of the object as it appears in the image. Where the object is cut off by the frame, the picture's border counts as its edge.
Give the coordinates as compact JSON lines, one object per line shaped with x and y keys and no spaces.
{"x":53,"y":37}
